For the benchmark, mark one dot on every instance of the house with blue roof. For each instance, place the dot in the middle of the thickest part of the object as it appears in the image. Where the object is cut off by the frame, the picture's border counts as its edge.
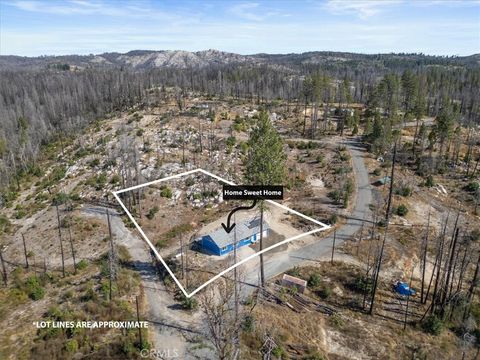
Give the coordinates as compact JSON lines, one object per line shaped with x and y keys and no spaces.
{"x":219,"y":242}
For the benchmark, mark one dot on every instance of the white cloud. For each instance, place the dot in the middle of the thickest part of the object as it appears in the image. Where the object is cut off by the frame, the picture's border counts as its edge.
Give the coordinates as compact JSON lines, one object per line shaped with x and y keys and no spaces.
{"x":85,"y":7}
{"x":362,"y":8}
{"x":253,"y":29}
{"x":246,"y":11}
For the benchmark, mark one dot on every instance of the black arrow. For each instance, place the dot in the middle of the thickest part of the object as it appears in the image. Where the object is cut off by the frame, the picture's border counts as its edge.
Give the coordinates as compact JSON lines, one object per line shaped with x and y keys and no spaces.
{"x":229,"y":227}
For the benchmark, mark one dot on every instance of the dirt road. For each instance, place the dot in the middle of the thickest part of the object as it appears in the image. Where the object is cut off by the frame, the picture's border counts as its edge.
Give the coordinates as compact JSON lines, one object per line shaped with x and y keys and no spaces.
{"x":278,"y":263}
{"x":173,"y":330}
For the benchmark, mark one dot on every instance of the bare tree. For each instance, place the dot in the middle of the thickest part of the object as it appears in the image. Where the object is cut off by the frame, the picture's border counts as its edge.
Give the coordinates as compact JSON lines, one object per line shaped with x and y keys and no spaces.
{"x":222,"y":323}
{"x":60,"y":239}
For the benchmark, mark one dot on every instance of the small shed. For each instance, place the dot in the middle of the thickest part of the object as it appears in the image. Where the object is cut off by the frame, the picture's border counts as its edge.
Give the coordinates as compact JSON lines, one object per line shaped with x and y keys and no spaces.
{"x":292,"y":281}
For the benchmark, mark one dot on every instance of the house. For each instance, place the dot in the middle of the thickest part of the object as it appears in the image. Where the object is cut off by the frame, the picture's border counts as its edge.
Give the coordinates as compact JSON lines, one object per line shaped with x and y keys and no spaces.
{"x":220,"y":242}
{"x":294,"y":282}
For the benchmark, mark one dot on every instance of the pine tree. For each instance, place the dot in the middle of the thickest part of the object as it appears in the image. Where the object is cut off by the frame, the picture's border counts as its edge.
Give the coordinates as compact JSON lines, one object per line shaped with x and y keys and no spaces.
{"x":265,"y":165}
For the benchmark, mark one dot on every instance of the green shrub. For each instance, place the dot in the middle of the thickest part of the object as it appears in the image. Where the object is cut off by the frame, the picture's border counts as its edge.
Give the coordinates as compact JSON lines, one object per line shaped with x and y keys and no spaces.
{"x":93,"y":163}
{"x":325,"y":292}
{"x":71,"y":346}
{"x":336,"y":321}
{"x":166,"y":192}
{"x":20,"y":214}
{"x":82,"y":264}
{"x":333,"y":219}
{"x":343,"y":170}
{"x":231,"y":140}
{"x":314,"y":280}
{"x":33,"y":288}
{"x":152,"y":212}
{"x":335,"y":195}
{"x":472,"y":186}
{"x":98,"y":182}
{"x":429,"y":182}
{"x":249,"y":324}
{"x":361,"y":285}
{"x":377,"y":172}
{"x":115,"y":179}
{"x":294,"y":272}
{"x":433,"y":325}
{"x":401,"y":210}
{"x":140,"y":132}
{"x":189,"y":303}
{"x":344,"y":156}
{"x":178,"y":230}
{"x":404,"y":191}
{"x":60,"y":198}
{"x":278,"y":352}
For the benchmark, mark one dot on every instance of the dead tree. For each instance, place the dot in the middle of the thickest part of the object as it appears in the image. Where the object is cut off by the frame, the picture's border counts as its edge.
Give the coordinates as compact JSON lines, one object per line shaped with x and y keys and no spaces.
{"x":60,"y":239}
{"x":25,"y":251}
{"x":138,"y":320}
{"x":71,"y":248}
{"x":449,"y":275}
{"x":408,"y":299}
{"x":4,"y":269}
{"x":424,"y":257}
{"x":471,"y":290}
{"x":387,"y":218}
{"x":217,"y":304}
{"x":111,"y":257}
{"x":439,"y":268}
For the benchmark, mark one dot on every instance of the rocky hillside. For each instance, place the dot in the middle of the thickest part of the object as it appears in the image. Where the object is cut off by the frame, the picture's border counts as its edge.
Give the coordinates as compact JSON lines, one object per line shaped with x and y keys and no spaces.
{"x":147,"y":59}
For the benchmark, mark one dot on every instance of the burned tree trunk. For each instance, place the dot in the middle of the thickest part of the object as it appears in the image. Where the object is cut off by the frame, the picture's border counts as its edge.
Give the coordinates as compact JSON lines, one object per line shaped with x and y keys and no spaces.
{"x":387,"y":218}
{"x":60,"y":239}
{"x":25,"y":251}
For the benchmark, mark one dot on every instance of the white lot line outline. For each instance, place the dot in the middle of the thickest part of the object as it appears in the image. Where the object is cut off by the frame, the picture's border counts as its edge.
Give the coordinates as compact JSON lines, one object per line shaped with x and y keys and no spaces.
{"x":116,"y":193}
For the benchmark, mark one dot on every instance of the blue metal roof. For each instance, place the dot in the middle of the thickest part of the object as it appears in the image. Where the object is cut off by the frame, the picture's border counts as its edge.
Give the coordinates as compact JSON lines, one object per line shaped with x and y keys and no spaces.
{"x":243,"y":229}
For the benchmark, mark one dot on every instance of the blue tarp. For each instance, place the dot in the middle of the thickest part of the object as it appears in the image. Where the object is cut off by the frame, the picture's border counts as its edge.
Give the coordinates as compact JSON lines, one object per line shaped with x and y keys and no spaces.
{"x":403,"y":289}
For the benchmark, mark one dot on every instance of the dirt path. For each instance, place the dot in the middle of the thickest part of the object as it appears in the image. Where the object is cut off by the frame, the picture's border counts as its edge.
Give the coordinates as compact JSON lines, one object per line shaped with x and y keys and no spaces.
{"x":174,"y":331}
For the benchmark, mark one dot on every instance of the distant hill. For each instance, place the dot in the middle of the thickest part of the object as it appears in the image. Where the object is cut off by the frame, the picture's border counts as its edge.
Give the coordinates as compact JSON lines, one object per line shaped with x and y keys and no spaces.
{"x":148,"y":59}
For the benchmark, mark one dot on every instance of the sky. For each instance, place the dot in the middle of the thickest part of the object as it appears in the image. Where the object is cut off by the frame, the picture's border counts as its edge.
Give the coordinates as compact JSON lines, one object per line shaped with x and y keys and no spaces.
{"x":53,"y":27}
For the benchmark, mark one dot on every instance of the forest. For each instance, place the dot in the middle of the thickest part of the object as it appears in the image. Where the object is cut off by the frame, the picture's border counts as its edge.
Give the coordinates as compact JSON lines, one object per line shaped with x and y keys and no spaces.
{"x":39,"y":104}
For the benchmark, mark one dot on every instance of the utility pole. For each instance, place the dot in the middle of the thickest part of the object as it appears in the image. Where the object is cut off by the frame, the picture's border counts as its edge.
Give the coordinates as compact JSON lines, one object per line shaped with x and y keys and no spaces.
{"x":387,"y":218}
{"x":25,"y":251}
{"x":60,"y":239}
{"x":333,"y":245}
{"x":235,"y":275}
{"x":236,"y":334}
{"x":138,"y":320}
